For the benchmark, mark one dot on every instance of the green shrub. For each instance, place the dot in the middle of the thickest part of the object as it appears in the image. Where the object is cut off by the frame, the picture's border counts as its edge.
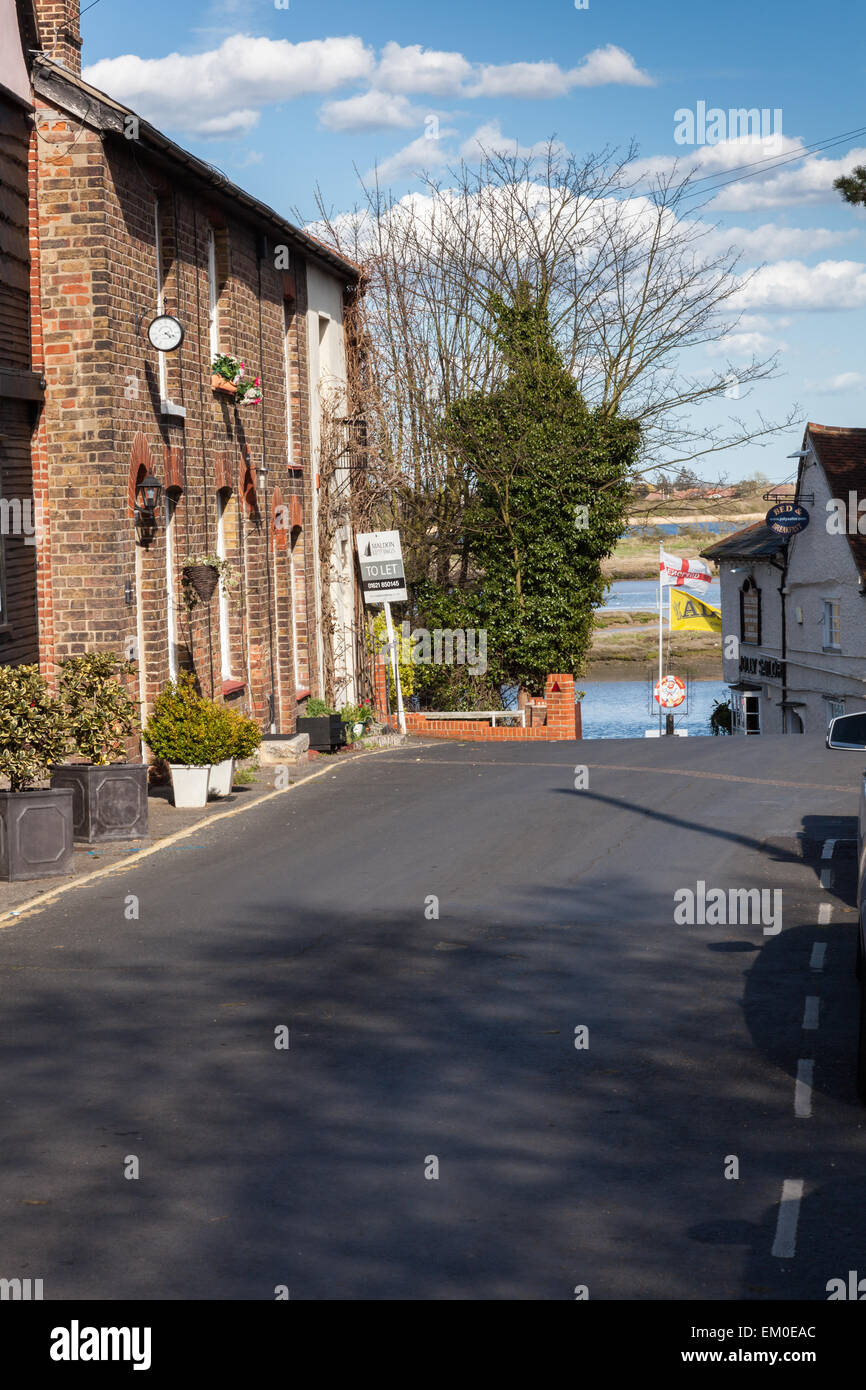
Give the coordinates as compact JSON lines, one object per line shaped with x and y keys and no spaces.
{"x":317,"y":709}
{"x":356,"y":714}
{"x":184,"y":728}
{"x":99,"y":712}
{"x":32,"y":727}
{"x":248,"y":735}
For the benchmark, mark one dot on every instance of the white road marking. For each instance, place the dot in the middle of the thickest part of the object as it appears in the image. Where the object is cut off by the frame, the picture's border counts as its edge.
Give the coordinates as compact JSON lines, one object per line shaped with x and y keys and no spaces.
{"x":818,"y":953}
{"x":810,"y":1012}
{"x":825,"y":912}
{"x":785,"y":1244}
{"x":829,"y":846}
{"x":803,"y":1089}
{"x":826,"y":878}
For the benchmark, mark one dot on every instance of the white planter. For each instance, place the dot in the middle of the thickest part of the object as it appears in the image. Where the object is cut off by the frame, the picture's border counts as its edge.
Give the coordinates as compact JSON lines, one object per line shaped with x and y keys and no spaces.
{"x":190,"y":784}
{"x":221,"y":777}
{"x":358,"y":729}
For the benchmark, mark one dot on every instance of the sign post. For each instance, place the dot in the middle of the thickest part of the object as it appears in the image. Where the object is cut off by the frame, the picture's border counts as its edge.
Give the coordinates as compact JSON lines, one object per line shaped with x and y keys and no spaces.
{"x":383,"y":580}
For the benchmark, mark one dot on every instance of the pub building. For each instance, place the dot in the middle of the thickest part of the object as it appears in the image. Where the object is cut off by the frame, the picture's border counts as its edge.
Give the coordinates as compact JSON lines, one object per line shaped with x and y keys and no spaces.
{"x":795,"y":600}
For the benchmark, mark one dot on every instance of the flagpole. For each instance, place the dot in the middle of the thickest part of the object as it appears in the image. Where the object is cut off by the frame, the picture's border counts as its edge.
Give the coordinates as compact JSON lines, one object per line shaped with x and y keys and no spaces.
{"x":660,"y":638}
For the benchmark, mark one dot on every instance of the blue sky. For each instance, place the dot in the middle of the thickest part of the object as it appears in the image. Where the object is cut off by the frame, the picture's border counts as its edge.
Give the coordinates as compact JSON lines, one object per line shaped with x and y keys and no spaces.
{"x":279,"y":119}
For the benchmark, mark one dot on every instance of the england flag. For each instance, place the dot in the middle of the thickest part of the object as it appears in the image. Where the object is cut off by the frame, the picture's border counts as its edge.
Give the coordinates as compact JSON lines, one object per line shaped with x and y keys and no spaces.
{"x":679,"y":571}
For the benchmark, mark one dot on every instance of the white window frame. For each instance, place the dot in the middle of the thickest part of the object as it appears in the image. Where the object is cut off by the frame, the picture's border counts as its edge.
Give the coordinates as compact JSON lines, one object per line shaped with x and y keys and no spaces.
{"x":746,"y":709}
{"x":223,"y":499}
{"x":160,"y":303}
{"x":831,"y":625}
{"x":288,"y":370}
{"x":170,"y":594}
{"x":213,"y":295}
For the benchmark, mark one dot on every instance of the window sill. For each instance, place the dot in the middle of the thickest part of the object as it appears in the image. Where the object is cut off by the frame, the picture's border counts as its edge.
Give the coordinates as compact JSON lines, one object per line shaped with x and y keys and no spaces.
{"x":832,"y":651}
{"x":233,"y":687}
{"x":167,"y":407}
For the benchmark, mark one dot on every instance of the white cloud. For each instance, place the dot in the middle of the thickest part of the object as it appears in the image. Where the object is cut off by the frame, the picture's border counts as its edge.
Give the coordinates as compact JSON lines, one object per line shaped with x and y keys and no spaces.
{"x":744,"y":345}
{"x":372,"y":110}
{"x":845,"y":381}
{"x":791,"y":285}
{"x":193,"y":90}
{"x":230,"y":123}
{"x":771,"y":242}
{"x":811,"y":181}
{"x":488,"y":139}
{"x":418,"y":156}
{"x":414,"y":69}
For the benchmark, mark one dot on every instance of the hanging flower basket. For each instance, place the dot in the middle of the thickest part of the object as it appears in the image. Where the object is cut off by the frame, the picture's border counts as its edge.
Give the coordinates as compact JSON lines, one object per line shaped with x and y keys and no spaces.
{"x":203,"y":579}
{"x":219,"y":383}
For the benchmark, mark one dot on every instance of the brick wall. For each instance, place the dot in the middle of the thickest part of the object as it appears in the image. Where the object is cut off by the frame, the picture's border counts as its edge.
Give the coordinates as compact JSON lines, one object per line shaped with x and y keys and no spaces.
{"x":103,"y":424}
{"x":563,"y":716}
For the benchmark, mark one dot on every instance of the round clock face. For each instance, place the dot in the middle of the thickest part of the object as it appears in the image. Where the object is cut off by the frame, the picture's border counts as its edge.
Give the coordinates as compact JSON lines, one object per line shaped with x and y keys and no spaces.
{"x":165,"y":333}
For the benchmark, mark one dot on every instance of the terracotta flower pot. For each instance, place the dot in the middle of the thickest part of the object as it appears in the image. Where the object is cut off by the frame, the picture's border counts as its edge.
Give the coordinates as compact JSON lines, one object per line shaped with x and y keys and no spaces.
{"x":219,"y":383}
{"x":203,"y":579}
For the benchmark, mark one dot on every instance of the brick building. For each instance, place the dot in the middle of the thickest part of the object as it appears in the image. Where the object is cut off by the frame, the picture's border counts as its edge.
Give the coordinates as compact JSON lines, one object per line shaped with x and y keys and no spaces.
{"x":21,"y":387}
{"x":126,"y":225}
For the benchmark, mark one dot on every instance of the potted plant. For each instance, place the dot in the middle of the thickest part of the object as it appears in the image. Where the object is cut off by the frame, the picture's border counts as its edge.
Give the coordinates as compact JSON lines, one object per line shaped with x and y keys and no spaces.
{"x":356,"y":718}
{"x":324,"y":726}
{"x":190,"y":734}
{"x":35,"y":824}
{"x":246,"y":738}
{"x":200,"y":575}
{"x":109,"y":793}
{"x":225,"y":370}
{"x":229,"y":376}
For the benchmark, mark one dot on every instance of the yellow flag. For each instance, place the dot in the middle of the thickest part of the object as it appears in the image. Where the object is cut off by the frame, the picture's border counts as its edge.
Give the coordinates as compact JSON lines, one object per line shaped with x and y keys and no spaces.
{"x":690,"y":614}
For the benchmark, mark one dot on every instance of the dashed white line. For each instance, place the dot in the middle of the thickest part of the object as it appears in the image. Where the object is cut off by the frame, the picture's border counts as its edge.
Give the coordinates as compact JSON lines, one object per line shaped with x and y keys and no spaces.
{"x":785,"y":1244}
{"x":825,"y":912}
{"x":826,"y":878}
{"x":803,"y":1089}
{"x":811,"y":1011}
{"x":829,"y":846}
{"x":819,"y":950}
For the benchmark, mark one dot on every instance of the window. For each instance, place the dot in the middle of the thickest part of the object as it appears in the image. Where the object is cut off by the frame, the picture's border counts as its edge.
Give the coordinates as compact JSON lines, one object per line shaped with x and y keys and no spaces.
{"x":831,"y":625}
{"x":213,"y":294}
{"x":750,"y":613}
{"x":746,"y":710}
{"x":171,"y":597}
{"x":288,"y":370}
{"x":223,"y":522}
{"x":834,"y":706}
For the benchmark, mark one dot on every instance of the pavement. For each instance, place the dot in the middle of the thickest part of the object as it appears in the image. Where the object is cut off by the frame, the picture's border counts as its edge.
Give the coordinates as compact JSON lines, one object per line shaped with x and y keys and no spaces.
{"x":510,"y":1070}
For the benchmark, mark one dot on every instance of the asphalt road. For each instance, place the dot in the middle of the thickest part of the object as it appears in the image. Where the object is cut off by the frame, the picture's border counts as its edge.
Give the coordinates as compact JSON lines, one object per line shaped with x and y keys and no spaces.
{"x":413,"y":1037}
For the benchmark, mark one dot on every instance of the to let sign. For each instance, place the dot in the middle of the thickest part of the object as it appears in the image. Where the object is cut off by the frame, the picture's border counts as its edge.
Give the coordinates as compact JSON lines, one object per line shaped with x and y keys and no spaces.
{"x":383,"y":579}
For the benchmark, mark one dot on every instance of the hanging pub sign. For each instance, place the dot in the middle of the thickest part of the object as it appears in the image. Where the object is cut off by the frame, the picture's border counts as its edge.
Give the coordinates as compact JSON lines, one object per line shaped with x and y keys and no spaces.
{"x":787,"y":518}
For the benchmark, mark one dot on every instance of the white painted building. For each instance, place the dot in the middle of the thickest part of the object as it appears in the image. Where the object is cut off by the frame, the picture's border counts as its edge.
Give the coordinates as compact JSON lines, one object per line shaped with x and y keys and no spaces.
{"x":797,"y":606}
{"x":328,"y":392}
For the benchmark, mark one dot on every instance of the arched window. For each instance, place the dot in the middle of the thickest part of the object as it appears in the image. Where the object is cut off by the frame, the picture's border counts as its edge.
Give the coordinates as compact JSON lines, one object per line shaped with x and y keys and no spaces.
{"x":750,"y":613}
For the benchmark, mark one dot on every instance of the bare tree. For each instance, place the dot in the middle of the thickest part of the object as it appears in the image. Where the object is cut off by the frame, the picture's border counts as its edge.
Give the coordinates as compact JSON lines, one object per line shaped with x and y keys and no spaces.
{"x":632,"y":290}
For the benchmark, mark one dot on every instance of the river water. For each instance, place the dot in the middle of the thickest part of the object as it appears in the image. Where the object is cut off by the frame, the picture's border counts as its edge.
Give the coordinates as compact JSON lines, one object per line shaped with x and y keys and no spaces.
{"x":643,"y":595}
{"x":619,"y":709}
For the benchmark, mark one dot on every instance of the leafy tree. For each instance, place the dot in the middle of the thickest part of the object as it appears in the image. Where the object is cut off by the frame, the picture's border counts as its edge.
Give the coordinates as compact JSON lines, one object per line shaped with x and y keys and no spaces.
{"x":552,"y":486}
{"x":853,"y":186}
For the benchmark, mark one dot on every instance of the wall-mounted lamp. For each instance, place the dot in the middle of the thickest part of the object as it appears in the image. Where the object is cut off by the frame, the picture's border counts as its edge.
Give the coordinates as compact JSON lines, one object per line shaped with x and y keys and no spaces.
{"x":147,"y":495}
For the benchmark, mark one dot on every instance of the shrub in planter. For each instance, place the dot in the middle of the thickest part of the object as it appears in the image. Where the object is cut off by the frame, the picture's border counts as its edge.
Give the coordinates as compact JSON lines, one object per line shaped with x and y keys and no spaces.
{"x":246,"y":738}
{"x":356,"y":719}
{"x":35,"y":825}
{"x":190,"y":734}
{"x":109,"y":794}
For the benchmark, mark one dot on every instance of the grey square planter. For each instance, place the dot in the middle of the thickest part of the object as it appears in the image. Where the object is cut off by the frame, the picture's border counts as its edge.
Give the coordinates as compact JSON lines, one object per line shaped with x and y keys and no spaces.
{"x":35,"y":834}
{"x":109,"y":803}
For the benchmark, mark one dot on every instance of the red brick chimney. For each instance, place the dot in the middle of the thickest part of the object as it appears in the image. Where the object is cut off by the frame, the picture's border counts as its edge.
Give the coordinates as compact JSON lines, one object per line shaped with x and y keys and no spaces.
{"x":60,"y":31}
